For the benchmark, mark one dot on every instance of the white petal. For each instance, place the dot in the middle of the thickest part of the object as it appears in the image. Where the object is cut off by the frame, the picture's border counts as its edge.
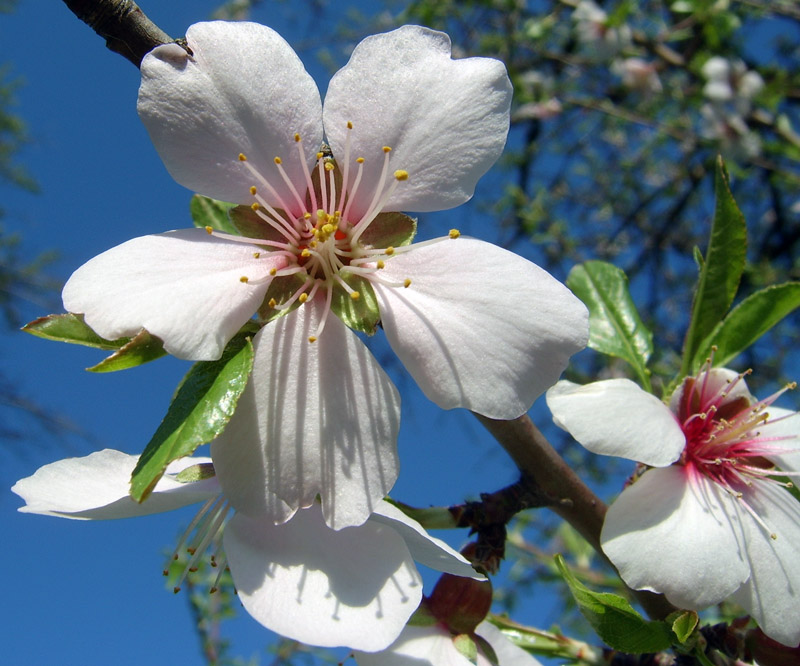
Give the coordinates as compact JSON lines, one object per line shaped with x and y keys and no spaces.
{"x":243,"y":91}
{"x":671,"y":533}
{"x":316,"y":418}
{"x":445,"y":120}
{"x":615,"y":417}
{"x":507,"y":653}
{"x":417,"y":646}
{"x":182,"y":286}
{"x":772,"y":594}
{"x":425,"y":549}
{"x":354,"y":587}
{"x":96,"y":487}
{"x":783,"y":429}
{"x":479,"y":327}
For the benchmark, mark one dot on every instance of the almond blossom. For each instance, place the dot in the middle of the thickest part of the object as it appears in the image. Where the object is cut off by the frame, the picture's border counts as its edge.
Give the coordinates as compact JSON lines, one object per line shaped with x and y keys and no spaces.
{"x":237,"y":118}
{"x":713,"y":518}
{"x":354,"y":587}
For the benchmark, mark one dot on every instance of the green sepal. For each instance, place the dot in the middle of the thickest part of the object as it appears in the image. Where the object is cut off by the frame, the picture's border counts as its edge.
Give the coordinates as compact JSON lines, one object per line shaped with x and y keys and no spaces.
{"x":487,"y":650}
{"x":249,"y":224}
{"x":70,"y":328}
{"x":615,"y":620}
{"x":422,"y":617}
{"x":747,"y":322}
{"x":431,"y":518}
{"x":207,"y":212}
{"x":615,"y":327}
{"x":389,"y":230}
{"x":200,"y":409}
{"x":142,"y":348}
{"x":281,"y":289}
{"x":361,"y":314}
{"x":721,"y":270}
{"x":467,"y":647}
{"x":198,"y":472}
{"x":683,"y":624}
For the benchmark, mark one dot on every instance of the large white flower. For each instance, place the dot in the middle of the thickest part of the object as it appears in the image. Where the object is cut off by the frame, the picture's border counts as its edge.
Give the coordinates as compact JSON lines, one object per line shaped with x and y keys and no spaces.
{"x":433,"y":646}
{"x":410,"y":129}
{"x":355,"y":587}
{"x":712,"y":519}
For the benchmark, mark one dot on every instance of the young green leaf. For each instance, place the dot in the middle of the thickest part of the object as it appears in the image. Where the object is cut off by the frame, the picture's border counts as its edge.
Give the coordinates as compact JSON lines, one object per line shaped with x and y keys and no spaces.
{"x":615,"y":620}
{"x":615,"y":327}
{"x":721,"y":270}
{"x":141,"y":348}
{"x":208,"y":212}
{"x":70,"y":328}
{"x":199,"y":411}
{"x":683,"y":624}
{"x":748,"y":321}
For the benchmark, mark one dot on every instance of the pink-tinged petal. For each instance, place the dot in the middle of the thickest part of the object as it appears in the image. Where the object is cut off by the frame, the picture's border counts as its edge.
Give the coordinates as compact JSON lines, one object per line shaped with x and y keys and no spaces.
{"x":183,"y":286}
{"x":445,"y":120}
{"x":772,"y":594}
{"x":615,"y":417}
{"x":418,"y":646}
{"x":507,"y":653}
{"x":354,"y":587}
{"x":244,"y":90}
{"x":95,"y":487}
{"x":781,"y":432}
{"x":424,"y":548}
{"x":479,"y":327}
{"x":316,"y":418}
{"x":715,"y":382}
{"x":672,"y":532}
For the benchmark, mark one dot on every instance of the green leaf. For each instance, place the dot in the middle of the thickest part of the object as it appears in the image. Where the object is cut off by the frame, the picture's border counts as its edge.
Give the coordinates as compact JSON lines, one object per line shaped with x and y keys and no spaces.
{"x":683,"y":624}
{"x":208,"y":212}
{"x":199,"y":411}
{"x":615,"y":327}
{"x":721,"y":270}
{"x":70,"y":328}
{"x":141,"y":348}
{"x":748,"y":321}
{"x":361,"y":314}
{"x":467,"y":647}
{"x":615,"y":620}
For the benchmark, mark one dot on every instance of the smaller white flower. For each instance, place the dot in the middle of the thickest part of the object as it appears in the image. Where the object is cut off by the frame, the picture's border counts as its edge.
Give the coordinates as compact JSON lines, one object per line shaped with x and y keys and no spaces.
{"x":433,"y":646}
{"x":637,"y":74}
{"x":595,"y":34}
{"x":354,"y":587}
{"x":710,"y":521}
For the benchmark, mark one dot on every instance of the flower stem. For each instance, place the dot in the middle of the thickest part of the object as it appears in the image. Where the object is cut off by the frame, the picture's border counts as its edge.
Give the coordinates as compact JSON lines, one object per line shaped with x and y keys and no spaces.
{"x":573,"y":500}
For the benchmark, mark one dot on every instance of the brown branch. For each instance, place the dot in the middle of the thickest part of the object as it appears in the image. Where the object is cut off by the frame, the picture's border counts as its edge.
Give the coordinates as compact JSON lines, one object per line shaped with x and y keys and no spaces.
{"x":122,"y":24}
{"x":575,"y":502}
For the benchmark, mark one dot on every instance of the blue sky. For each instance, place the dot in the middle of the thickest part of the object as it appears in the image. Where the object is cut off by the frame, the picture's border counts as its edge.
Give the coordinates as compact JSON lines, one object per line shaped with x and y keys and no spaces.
{"x":92,"y":593}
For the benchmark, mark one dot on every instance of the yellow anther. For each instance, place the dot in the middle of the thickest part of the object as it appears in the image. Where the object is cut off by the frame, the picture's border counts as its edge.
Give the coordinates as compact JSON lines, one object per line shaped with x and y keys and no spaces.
{"x":355,"y":295}
{"x":401,"y":175}
{"x":242,"y":158}
{"x":256,"y":255}
{"x":319,"y":155}
{"x":454,"y":233}
{"x":272,"y":302}
{"x":389,"y":251}
{"x":360,"y":160}
{"x":380,"y":263}
{"x":313,"y":243}
{"x":328,"y":228}
{"x":407,"y":282}
{"x":273,"y":271}
{"x":296,"y":137}
{"x":312,"y":338}
{"x":244,"y":279}
{"x":349,"y":125}
{"x":315,"y":231}
{"x":209,"y":230}
{"x":321,"y":214}
{"x":387,"y":149}
{"x":278,"y":160}
{"x":303,"y":297}
{"x":255,"y":205}
{"x":306,"y":215}
{"x":253,"y":190}
{"x":328,"y":166}
{"x":305,"y":253}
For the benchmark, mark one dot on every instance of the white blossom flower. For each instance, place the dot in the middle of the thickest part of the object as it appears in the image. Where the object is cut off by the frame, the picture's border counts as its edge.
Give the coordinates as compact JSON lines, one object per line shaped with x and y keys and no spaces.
{"x":596,"y":35}
{"x":433,"y":646}
{"x":355,"y":587}
{"x":240,"y":120}
{"x":637,"y":74}
{"x":712,"y":520}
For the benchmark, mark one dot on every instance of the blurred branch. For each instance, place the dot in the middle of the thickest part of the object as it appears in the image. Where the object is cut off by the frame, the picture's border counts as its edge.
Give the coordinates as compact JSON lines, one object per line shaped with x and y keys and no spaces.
{"x":122,"y":24}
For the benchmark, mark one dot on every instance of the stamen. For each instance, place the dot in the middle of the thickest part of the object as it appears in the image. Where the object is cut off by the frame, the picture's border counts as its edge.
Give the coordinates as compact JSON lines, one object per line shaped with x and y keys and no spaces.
{"x":306,"y":171}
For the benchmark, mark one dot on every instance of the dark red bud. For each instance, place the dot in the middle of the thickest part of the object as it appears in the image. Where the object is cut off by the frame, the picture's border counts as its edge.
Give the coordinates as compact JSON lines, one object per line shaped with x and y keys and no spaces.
{"x":460,"y":603}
